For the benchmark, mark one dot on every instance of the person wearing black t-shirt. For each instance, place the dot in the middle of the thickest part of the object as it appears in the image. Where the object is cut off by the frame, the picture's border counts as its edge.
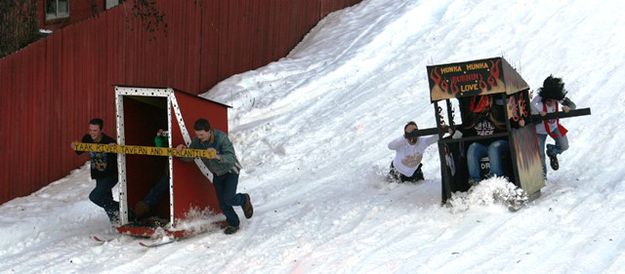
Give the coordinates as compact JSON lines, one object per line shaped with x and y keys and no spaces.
{"x":103,"y":170}
{"x":485,"y":117}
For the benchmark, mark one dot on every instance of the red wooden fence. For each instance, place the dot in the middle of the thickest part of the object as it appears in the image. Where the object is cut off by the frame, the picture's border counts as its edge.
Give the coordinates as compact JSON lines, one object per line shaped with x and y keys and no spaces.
{"x":50,"y":90}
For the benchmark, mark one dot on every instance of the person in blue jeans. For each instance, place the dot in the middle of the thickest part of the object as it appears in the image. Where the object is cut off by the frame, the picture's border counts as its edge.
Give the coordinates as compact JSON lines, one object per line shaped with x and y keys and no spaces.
{"x":225,"y":168}
{"x":550,"y":95}
{"x":484,"y":117}
{"x":493,"y":151}
{"x":144,"y":207}
{"x":103,"y":170}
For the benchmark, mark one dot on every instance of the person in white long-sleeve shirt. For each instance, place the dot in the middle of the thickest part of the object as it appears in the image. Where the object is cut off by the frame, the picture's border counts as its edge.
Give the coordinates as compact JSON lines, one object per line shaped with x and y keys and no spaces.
{"x":546,"y":101}
{"x":409,"y":149}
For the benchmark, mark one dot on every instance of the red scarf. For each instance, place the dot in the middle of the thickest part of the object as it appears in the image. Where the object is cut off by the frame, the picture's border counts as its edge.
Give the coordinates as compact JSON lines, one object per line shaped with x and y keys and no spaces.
{"x":562,"y":130}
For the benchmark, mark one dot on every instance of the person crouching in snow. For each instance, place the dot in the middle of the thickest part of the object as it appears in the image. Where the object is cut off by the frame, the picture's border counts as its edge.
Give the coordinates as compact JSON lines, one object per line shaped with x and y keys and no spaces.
{"x":409,"y":148}
{"x":546,"y":101}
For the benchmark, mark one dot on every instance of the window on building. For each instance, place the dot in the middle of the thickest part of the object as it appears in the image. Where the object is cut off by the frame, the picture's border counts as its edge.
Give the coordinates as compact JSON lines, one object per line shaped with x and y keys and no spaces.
{"x":111,"y":3}
{"x":56,"y":9}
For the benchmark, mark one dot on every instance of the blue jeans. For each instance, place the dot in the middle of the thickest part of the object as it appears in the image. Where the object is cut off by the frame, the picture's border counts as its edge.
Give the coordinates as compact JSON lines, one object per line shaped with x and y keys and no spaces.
{"x":226,"y":188}
{"x":157,"y":191}
{"x":494,"y":151}
{"x":102,"y":196}
{"x":562,"y":144}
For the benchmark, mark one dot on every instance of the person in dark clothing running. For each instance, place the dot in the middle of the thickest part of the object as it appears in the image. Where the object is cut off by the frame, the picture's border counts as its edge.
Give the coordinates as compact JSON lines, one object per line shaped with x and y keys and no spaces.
{"x":225,"y":168}
{"x":103,"y":170}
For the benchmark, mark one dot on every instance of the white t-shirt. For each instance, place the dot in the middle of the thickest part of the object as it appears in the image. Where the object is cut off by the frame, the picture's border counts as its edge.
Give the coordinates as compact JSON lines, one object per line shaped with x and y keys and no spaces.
{"x":407,"y":156}
{"x":537,"y":106}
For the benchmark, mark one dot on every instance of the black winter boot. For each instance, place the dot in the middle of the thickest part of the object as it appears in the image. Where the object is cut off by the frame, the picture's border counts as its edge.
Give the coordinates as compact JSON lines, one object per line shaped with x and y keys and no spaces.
{"x":553,"y":162}
{"x":248,"y":209}
{"x":231,"y":229}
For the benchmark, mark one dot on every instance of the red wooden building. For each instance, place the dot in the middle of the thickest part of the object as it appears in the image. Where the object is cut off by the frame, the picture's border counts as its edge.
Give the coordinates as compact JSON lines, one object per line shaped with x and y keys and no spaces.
{"x":51,"y":88}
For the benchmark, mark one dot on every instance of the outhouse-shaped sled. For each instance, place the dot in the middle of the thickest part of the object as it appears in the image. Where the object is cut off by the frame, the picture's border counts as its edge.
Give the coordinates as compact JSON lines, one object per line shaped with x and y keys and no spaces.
{"x":141,"y":112}
{"x":485,"y":87}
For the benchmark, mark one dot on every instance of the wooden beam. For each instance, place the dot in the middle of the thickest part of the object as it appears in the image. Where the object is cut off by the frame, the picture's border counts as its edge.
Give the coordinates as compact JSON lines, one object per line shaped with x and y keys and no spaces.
{"x":536,"y":118}
{"x":146,"y":150}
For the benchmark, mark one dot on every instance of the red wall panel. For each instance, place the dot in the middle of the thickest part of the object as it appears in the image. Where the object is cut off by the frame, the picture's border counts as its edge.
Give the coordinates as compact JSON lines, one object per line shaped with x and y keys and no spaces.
{"x":53,"y":87}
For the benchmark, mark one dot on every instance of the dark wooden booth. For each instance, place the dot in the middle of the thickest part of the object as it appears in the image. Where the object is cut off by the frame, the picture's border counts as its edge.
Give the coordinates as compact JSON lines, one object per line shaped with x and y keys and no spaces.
{"x":500,"y":85}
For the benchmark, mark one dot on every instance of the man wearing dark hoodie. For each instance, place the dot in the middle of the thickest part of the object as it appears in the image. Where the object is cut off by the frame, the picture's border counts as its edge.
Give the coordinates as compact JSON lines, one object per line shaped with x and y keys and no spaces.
{"x":549,"y":97}
{"x":103,"y":170}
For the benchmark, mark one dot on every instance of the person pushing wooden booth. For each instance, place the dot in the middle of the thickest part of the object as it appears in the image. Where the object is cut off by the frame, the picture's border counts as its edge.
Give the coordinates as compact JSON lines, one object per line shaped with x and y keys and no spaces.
{"x":141,"y":112}
{"x":494,"y":104}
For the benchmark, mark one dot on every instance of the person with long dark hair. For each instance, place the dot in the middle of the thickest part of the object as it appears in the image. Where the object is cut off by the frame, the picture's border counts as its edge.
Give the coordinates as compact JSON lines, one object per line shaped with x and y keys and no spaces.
{"x":550,"y":96}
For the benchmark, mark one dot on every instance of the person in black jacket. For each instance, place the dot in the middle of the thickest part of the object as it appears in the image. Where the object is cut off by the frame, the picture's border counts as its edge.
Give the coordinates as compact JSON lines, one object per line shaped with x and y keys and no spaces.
{"x":103,"y":170}
{"x":225,"y":168}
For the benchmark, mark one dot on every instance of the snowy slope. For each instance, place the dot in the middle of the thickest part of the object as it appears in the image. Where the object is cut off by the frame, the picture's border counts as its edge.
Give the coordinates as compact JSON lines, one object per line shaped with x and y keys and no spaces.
{"x":311,"y":131}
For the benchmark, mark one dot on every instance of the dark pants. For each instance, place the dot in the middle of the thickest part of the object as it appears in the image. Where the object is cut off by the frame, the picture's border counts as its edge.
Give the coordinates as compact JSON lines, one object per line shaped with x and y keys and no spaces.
{"x":102,"y":196}
{"x":157,"y":191}
{"x":226,"y":188}
{"x":416,"y":176}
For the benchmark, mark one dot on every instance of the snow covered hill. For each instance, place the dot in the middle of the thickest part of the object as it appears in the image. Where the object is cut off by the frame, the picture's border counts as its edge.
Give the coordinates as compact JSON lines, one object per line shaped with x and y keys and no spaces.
{"x":311,"y":131}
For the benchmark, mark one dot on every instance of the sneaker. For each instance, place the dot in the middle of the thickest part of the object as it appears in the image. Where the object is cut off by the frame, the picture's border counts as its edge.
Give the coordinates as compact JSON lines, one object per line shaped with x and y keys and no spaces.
{"x":231,"y":229}
{"x":553,"y":162}
{"x":248,"y":209}
{"x":141,"y":209}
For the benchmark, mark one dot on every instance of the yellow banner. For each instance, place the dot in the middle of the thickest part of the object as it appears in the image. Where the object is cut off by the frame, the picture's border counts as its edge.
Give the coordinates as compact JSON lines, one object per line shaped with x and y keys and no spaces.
{"x":145,"y":150}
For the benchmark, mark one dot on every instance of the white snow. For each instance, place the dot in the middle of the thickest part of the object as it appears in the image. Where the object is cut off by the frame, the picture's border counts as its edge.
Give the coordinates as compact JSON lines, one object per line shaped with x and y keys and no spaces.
{"x":311,"y":131}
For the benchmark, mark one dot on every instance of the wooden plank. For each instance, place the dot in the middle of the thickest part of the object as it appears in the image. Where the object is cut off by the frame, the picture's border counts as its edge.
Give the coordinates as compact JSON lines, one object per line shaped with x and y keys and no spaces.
{"x":536,"y":118}
{"x":4,"y":144}
{"x":146,"y":150}
{"x":209,"y":44}
{"x":39,"y":109}
{"x":533,"y":118}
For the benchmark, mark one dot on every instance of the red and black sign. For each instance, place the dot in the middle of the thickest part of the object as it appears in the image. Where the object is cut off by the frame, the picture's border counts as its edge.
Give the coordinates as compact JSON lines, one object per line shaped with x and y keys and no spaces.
{"x":479,"y":77}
